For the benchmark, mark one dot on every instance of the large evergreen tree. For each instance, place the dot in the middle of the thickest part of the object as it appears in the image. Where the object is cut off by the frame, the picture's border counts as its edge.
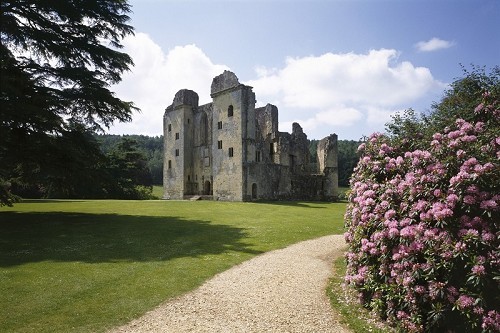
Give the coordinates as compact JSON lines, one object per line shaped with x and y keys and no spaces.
{"x":58,"y":60}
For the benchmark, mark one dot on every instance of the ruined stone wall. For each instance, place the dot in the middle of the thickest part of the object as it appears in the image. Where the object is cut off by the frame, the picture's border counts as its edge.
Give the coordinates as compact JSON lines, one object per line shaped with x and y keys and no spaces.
{"x":172,"y":173}
{"x":179,"y":135}
{"x":266,"y":119}
{"x":292,"y":150}
{"x":186,"y":152}
{"x":331,"y":183}
{"x":281,"y":149}
{"x":226,"y":169}
{"x":202,"y":152}
{"x":173,"y":170}
{"x":233,"y":151}
{"x":328,"y":164}
{"x":266,"y":122}
{"x":310,"y":187}
{"x":269,"y":181}
{"x":233,"y":136}
{"x":327,"y":152}
{"x":299,"y":150}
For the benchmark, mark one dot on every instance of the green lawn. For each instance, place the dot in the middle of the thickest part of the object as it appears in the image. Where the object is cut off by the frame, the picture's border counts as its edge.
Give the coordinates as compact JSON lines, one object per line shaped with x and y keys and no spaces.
{"x":85,"y":266}
{"x":157,"y":191}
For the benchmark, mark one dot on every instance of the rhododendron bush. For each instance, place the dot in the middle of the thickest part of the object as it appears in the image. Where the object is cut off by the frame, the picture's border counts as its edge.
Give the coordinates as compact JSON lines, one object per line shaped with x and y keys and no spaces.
{"x":423,"y":226}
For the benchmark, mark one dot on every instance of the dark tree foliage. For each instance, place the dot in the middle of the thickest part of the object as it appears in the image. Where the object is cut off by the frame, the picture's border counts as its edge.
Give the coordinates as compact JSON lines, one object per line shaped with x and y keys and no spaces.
{"x":58,"y":60}
{"x":151,"y":147}
{"x":89,"y":173}
{"x":69,"y":166}
{"x":155,"y":166}
{"x":129,"y":173}
{"x":463,"y":96}
{"x":313,"y":151}
{"x":411,"y":130}
{"x":408,"y":126}
{"x":348,"y":158}
{"x":145,"y":143}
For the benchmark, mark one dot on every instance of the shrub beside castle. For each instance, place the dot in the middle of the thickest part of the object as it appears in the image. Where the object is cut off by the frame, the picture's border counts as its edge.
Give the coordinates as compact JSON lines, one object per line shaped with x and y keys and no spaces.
{"x":423,"y":218}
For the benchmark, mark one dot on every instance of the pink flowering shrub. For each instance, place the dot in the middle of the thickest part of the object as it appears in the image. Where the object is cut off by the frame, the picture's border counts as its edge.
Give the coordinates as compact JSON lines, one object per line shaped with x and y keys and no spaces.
{"x":423,"y":227}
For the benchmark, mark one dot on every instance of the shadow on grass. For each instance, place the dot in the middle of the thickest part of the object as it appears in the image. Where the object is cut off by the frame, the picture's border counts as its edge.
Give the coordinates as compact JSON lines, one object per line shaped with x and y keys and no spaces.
{"x":95,"y":238}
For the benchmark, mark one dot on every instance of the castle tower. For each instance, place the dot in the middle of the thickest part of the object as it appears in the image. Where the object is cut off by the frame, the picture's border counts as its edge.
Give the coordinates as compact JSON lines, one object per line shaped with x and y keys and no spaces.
{"x":178,"y":136}
{"x":233,"y":137}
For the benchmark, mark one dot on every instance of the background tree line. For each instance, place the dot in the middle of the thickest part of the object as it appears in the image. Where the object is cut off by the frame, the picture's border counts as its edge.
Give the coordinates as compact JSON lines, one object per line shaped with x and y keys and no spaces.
{"x":86,"y":165}
{"x":152,"y":150}
{"x":151,"y":147}
{"x":89,"y":165}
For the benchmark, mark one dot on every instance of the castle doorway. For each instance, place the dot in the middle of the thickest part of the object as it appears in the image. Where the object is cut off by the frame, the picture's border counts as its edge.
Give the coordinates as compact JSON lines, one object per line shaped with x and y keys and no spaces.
{"x":254,"y":191}
{"x":207,"y":188}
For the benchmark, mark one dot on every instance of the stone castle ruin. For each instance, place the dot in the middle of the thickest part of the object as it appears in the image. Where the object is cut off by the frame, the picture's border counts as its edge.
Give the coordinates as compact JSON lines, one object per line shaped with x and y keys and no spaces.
{"x":230,"y":150}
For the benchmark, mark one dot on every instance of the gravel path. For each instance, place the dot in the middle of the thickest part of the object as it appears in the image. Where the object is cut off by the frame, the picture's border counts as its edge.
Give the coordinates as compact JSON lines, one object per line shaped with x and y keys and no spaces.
{"x":279,"y":291}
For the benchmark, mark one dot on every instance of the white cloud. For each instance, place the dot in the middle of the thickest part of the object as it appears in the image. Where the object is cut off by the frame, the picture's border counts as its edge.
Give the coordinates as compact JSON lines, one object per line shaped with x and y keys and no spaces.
{"x":340,"y":116}
{"x":351,"y":93}
{"x":379,"y":116}
{"x":433,"y":44}
{"x":157,"y":76}
{"x":326,"y":92}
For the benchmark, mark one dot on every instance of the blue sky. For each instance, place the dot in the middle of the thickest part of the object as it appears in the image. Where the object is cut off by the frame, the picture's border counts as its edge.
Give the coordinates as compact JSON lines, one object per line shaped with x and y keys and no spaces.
{"x":333,"y":66}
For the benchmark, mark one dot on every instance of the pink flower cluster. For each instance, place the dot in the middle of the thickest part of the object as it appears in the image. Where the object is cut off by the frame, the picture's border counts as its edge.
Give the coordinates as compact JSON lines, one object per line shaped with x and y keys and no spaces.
{"x":424,"y":227}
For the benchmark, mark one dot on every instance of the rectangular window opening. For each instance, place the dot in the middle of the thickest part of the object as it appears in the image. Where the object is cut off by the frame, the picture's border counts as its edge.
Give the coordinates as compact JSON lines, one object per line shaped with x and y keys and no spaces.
{"x":219,"y":144}
{"x":219,"y":125}
{"x":177,"y":152}
{"x":177,"y":136}
{"x":231,"y":152}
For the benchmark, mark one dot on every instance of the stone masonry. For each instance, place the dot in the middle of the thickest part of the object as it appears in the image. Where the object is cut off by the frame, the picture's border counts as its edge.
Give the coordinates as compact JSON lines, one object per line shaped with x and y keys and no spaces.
{"x":230,"y":150}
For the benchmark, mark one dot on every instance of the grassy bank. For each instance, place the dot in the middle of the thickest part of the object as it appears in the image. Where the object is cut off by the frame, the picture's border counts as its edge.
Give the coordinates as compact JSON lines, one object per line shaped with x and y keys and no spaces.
{"x":344,"y":300}
{"x":84,"y":266}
